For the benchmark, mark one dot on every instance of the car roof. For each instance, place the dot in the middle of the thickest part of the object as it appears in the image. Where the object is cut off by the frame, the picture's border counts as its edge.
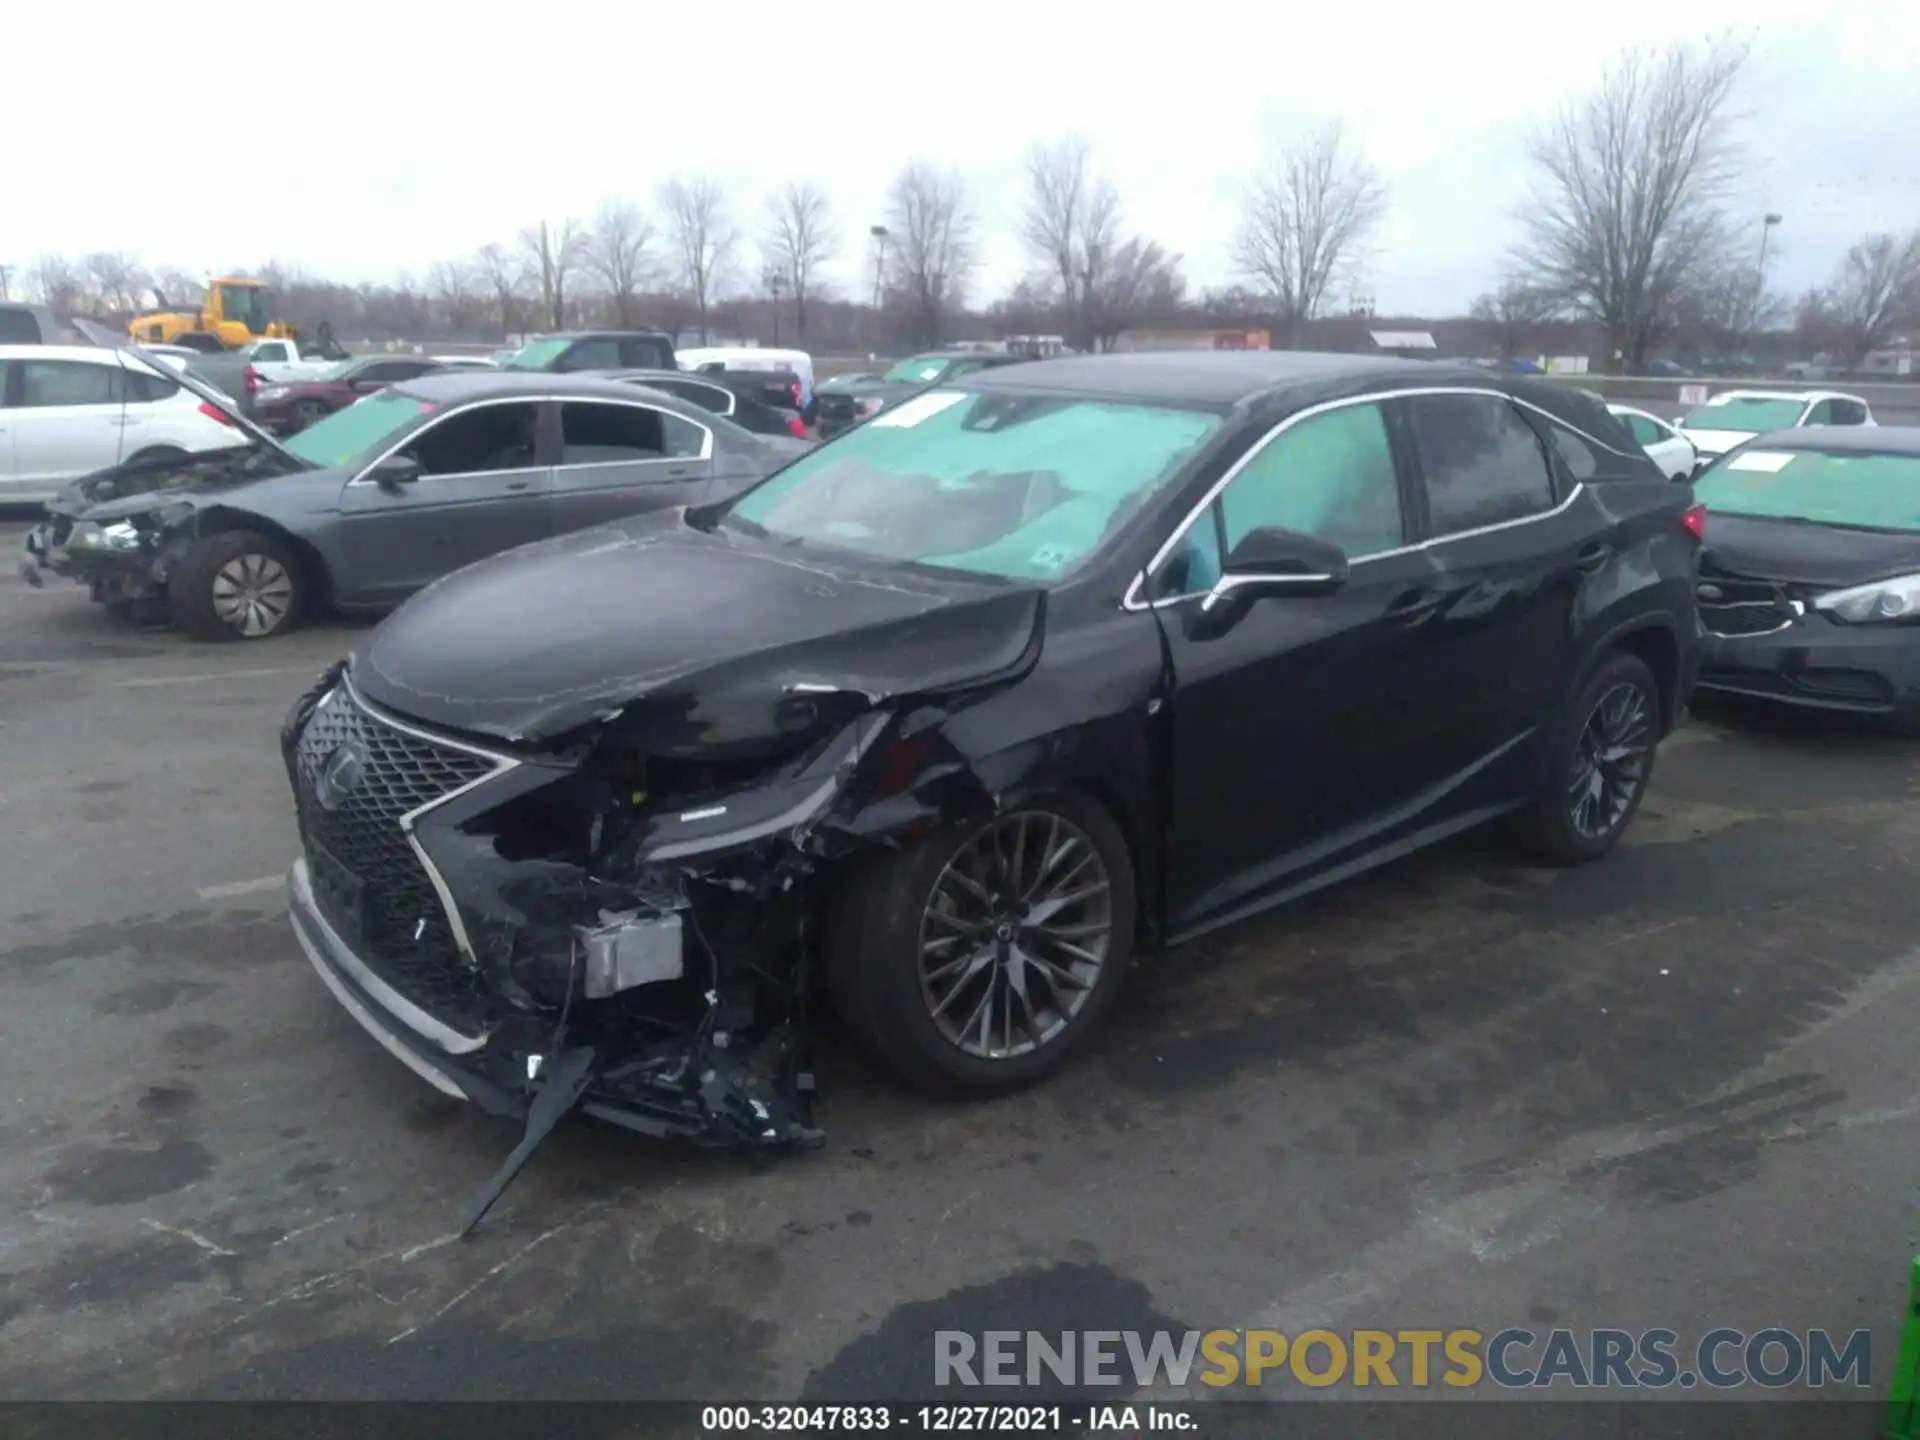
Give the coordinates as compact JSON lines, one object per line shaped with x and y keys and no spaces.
{"x":1806,"y":395}
{"x":598,"y":335}
{"x":460,"y":386}
{"x":1843,"y":439}
{"x":96,"y":354}
{"x":1215,"y":377}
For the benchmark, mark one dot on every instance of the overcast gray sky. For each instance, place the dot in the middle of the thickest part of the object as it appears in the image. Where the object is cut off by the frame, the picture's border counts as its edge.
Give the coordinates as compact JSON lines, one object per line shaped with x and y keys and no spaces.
{"x":387,"y":137}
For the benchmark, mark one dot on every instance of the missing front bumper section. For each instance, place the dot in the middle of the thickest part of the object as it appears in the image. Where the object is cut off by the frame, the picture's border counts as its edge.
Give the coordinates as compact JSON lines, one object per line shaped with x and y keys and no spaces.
{"x":696,"y":1086}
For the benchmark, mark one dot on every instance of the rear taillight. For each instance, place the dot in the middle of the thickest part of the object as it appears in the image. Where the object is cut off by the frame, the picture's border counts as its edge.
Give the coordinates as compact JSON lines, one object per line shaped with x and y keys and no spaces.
{"x":1693,"y":520}
{"x":214,"y":412}
{"x":797,"y":427}
{"x":250,"y":377}
{"x":793,"y":393}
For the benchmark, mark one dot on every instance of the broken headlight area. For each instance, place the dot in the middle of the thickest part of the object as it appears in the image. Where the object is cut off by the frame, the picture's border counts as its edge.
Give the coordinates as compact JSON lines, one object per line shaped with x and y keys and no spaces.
{"x":635,"y":928}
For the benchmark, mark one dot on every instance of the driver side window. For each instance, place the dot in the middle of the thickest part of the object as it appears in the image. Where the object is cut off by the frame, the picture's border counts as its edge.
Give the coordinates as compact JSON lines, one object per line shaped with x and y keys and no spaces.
{"x":1821,"y":414}
{"x":479,"y":441}
{"x":1331,"y":475}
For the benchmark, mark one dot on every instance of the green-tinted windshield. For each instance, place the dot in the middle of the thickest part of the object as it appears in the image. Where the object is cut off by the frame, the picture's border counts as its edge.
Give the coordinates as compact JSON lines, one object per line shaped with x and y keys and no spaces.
{"x":1002,"y":485}
{"x":1756,"y":417}
{"x":918,"y":370}
{"x":346,"y":435}
{"x":535,"y":355}
{"x":1878,"y":492}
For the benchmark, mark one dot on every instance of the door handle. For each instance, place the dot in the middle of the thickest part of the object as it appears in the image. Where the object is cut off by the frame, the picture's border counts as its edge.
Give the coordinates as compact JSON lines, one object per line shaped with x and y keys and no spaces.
{"x":519,"y":484}
{"x":1413,"y":607}
{"x":1594,"y":558}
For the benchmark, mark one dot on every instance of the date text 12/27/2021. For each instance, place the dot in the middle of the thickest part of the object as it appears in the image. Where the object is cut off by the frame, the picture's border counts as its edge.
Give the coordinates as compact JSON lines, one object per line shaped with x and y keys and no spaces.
{"x":942,"y":1419}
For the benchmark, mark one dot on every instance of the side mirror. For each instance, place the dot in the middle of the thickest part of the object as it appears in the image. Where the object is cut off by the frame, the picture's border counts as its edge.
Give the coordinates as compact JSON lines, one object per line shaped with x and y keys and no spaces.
{"x":1271,"y":561}
{"x":395,"y":471}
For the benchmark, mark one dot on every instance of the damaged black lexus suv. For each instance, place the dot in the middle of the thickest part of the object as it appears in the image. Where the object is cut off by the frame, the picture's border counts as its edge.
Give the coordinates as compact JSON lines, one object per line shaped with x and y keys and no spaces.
{"x":942,"y":718}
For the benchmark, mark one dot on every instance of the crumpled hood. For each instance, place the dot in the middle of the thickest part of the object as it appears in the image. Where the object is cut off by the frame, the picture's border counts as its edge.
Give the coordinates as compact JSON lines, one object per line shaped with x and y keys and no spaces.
{"x":1798,"y":554}
{"x":727,"y":641}
{"x":106,"y":494}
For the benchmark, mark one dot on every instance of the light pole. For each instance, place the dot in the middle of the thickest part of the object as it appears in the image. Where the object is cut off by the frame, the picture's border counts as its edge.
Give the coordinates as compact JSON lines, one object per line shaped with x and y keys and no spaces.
{"x":775,"y":281}
{"x":1767,"y":222}
{"x":880,"y":235}
{"x":6,"y":272}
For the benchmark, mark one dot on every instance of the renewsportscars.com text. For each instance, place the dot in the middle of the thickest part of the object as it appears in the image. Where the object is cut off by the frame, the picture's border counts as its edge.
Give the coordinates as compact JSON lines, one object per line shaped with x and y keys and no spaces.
{"x":1600,"y":1359}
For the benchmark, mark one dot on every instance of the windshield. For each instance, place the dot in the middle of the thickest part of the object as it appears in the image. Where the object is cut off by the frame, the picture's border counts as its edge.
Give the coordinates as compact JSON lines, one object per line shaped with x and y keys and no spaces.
{"x":1876,"y":492}
{"x":346,"y":435}
{"x":247,"y":304}
{"x":1001,"y":485}
{"x":918,"y":369}
{"x":1754,"y":416}
{"x":535,"y":355}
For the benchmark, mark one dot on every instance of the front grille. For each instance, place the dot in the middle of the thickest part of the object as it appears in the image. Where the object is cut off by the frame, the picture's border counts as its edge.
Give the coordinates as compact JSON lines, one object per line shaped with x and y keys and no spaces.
{"x":357,"y":851}
{"x":1744,"y":607}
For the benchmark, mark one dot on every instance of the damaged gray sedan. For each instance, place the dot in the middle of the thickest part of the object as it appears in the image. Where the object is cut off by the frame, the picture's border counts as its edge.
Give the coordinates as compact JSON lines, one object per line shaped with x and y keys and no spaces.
{"x":939,"y":719}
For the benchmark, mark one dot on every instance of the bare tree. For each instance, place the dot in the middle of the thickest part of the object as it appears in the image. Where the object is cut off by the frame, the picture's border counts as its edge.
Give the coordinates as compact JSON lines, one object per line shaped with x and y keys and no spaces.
{"x":459,"y":291}
{"x":502,"y":274}
{"x":552,"y":251}
{"x":116,"y":279}
{"x":702,"y":237}
{"x":53,"y":282}
{"x":930,"y":244}
{"x":1514,"y":314}
{"x":1876,"y":291}
{"x":800,"y":239}
{"x":174,"y":286}
{"x":616,"y":252}
{"x":1306,"y":222}
{"x":1625,"y":216}
{"x":1071,"y":224}
{"x":1137,"y":284}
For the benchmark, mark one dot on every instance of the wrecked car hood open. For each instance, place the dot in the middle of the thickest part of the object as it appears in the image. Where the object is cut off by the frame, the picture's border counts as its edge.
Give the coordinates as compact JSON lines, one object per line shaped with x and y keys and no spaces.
{"x":721,"y":641}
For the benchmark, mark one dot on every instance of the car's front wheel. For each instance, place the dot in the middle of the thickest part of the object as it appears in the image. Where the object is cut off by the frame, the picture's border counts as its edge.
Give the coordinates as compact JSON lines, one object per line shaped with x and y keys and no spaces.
{"x":1600,"y":763}
{"x":977,"y":961}
{"x":237,"y":585}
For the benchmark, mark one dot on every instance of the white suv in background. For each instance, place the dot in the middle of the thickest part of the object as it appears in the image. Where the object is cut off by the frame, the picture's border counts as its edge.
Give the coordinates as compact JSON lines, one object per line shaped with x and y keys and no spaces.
{"x":1665,"y":446}
{"x":69,"y":410}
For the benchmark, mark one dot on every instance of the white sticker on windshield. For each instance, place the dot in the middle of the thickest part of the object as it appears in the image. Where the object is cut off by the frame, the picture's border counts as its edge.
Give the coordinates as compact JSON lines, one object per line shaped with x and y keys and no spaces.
{"x":913,"y":411}
{"x":1769,"y":462}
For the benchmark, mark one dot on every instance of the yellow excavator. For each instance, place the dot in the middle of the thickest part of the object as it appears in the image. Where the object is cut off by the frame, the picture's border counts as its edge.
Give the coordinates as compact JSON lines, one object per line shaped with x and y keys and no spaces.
{"x":235,"y":313}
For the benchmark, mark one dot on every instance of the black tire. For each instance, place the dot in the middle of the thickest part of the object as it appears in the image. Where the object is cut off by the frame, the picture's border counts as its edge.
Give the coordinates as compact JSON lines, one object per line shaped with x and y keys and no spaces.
{"x":874,"y":948}
{"x":307,"y":412}
{"x":1551,"y":828}
{"x":198,"y":590}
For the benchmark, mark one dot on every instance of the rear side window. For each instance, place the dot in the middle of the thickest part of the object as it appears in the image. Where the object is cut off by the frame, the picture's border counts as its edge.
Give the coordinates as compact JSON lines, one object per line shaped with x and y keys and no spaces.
{"x":1483,"y":463}
{"x":705,"y":396}
{"x":1575,"y":453}
{"x":591,"y":355}
{"x":66,"y":382}
{"x":18,"y":327}
{"x":1331,"y":475}
{"x":1849,"y":412}
{"x":144,"y":389}
{"x":270,"y":354}
{"x":646,"y":352}
{"x":606,"y":434}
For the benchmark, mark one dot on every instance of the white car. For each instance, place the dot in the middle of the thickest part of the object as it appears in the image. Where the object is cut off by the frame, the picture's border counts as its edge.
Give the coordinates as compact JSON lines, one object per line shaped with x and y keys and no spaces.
{"x":1668,"y":448}
{"x":69,"y":410}
{"x":1736,"y":416}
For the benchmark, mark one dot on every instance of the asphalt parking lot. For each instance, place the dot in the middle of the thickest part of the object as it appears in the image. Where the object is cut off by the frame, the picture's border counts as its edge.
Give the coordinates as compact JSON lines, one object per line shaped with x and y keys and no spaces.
{"x":1671,"y":1089}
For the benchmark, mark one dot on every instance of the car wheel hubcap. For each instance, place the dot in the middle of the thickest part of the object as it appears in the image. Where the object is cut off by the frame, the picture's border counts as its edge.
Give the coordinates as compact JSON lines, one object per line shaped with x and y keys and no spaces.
{"x":1610,"y":761}
{"x":252,"y":593}
{"x":1015,"y":935}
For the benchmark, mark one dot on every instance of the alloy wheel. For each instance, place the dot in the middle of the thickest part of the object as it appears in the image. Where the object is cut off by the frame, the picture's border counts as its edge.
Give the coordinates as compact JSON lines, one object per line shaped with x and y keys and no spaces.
{"x":252,"y":593}
{"x":1015,"y":935}
{"x":1610,"y":760}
